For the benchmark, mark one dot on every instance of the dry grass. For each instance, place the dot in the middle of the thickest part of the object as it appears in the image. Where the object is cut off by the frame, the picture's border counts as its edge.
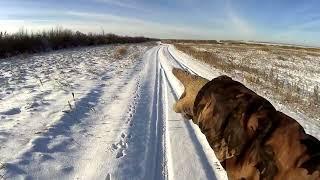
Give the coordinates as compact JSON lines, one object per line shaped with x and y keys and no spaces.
{"x":292,"y":94}
{"x":120,"y":52}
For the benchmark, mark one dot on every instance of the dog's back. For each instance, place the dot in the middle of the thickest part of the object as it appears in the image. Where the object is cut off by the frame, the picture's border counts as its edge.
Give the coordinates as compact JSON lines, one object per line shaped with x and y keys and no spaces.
{"x":251,"y":138}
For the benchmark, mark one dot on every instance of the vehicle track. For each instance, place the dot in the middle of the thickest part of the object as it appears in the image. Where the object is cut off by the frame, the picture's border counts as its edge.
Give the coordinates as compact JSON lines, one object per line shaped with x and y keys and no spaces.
{"x":207,"y":165}
{"x":182,"y":65}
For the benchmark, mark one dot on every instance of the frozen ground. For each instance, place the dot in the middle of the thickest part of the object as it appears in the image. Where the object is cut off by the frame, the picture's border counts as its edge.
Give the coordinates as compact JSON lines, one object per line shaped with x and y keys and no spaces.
{"x":83,"y":114}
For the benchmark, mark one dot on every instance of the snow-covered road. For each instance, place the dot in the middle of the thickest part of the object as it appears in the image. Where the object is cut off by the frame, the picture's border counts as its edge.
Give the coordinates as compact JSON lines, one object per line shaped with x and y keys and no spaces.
{"x":81,"y":114}
{"x":84,"y":114}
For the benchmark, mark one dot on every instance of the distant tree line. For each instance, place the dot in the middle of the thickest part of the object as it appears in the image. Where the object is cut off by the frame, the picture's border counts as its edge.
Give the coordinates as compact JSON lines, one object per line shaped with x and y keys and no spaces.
{"x":190,"y":41}
{"x":55,"y":39}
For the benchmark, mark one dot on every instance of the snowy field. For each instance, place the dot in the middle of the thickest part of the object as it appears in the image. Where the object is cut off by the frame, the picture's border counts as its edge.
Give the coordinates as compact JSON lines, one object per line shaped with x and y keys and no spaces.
{"x":90,"y":114}
{"x":295,"y":66}
{"x":289,"y":77}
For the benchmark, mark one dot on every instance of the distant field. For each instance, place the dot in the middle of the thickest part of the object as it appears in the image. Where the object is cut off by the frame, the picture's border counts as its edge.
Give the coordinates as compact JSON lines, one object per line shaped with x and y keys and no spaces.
{"x":286,"y":74}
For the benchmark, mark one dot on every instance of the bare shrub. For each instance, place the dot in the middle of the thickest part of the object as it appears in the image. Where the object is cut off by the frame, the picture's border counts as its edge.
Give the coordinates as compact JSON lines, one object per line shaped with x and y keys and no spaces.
{"x":120,"y":52}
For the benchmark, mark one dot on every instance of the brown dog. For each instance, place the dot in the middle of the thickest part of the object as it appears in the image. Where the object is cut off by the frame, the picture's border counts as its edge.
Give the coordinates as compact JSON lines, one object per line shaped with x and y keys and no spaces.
{"x":249,"y":136}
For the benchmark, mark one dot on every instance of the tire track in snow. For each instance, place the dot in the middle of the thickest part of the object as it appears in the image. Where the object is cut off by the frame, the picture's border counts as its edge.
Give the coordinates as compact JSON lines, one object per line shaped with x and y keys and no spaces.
{"x":146,"y":155}
{"x":213,"y":169}
{"x":161,"y":171}
{"x":182,"y":65}
{"x":166,"y":142}
{"x":210,"y":173}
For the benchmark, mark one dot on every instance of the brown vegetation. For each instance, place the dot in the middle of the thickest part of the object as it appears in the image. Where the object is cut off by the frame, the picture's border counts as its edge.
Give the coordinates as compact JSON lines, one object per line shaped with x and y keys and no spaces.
{"x":289,"y":93}
{"x":120,"y":52}
{"x":190,"y":41}
{"x":24,"y":42}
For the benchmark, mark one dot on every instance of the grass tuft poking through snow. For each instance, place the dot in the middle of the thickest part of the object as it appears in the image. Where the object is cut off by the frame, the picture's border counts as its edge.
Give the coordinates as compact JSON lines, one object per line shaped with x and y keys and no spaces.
{"x":120,"y":52}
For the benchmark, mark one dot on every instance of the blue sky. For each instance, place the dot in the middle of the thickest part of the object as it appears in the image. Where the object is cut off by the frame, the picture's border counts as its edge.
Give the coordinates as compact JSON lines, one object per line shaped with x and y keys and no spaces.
{"x":288,"y":21}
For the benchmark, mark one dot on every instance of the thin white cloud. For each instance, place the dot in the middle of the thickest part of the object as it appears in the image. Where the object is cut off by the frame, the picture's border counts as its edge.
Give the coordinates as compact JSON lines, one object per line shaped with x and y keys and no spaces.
{"x":103,"y":16}
{"x":238,"y":24}
{"x":121,"y":3}
{"x":12,"y":26}
{"x":95,"y":22}
{"x":125,"y":25}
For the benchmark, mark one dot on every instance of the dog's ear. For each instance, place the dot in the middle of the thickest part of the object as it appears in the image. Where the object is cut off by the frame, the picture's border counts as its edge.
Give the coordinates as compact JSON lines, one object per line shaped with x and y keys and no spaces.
{"x":192,"y":85}
{"x":188,"y":79}
{"x":183,"y":76}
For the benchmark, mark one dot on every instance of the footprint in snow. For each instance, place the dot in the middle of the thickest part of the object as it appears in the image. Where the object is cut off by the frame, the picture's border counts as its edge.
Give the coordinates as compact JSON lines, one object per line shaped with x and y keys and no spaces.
{"x":123,"y":135}
{"x":121,"y":146}
{"x":128,"y":120}
{"x":114,"y":147}
{"x":120,"y":154}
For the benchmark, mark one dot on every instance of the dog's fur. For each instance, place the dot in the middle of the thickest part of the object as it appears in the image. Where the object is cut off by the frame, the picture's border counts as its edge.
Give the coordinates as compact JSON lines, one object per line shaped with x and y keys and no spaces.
{"x":250,"y":137}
